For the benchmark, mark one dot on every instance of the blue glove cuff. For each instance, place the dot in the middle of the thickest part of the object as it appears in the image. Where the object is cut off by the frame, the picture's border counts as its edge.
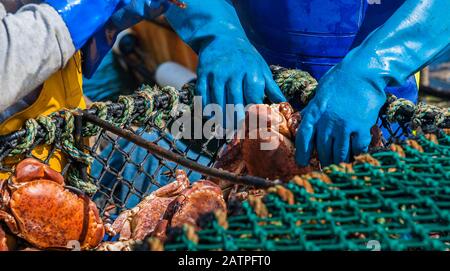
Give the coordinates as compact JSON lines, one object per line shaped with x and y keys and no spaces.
{"x":84,"y":17}
{"x":96,"y":49}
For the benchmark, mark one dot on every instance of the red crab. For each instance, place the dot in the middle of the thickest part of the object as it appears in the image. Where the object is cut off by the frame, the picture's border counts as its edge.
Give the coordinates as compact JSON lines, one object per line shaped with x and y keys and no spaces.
{"x":36,"y":206}
{"x":173,"y":205}
{"x":264,"y":145}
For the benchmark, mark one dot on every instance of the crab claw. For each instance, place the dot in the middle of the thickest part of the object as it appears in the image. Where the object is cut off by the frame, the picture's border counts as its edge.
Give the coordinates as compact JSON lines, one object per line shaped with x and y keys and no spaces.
{"x":174,"y":188}
{"x":31,"y":169}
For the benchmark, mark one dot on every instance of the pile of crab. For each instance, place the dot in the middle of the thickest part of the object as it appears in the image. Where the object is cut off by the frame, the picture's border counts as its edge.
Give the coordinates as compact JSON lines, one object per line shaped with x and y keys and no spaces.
{"x":38,"y":211}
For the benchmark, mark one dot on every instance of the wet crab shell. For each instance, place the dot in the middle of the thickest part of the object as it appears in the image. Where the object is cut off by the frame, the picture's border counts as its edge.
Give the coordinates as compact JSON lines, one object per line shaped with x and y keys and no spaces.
{"x":263,"y":145}
{"x":31,"y":169}
{"x":49,"y":216}
{"x":269,"y":153}
{"x":271,"y":156}
{"x":229,"y":158}
{"x":202,"y":198}
{"x":142,"y":220}
{"x":272,"y":118}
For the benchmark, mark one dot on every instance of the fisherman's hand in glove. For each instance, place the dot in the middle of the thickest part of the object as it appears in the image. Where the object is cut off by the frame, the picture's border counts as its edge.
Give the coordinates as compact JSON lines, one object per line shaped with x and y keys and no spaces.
{"x":338,"y":119}
{"x":230,"y":71}
{"x":340,"y":116}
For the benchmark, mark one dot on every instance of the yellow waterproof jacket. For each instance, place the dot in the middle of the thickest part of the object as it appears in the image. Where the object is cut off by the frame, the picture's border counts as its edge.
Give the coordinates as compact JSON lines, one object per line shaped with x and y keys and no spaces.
{"x":62,"y":90}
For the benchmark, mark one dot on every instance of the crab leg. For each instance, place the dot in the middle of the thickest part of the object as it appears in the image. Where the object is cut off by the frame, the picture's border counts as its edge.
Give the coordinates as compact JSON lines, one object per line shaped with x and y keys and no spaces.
{"x":122,"y":225}
{"x":174,"y":188}
{"x":9,"y":221}
{"x":3,"y":240}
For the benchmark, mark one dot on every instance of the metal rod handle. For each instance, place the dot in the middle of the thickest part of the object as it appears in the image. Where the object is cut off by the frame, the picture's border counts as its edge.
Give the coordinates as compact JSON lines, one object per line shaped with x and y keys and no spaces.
{"x":166,"y":154}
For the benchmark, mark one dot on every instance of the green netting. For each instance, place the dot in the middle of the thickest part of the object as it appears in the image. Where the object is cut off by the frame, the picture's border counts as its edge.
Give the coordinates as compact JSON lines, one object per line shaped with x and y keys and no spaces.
{"x":403,"y":204}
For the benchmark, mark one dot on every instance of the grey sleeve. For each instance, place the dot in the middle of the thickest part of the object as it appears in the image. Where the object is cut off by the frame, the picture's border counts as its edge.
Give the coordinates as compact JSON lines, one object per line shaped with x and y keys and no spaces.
{"x":34,"y":44}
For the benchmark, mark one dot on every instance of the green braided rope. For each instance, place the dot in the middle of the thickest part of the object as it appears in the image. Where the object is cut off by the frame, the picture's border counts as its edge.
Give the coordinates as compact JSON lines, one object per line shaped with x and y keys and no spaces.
{"x":443,"y":119}
{"x":425,"y":114}
{"x":422,"y":115}
{"x":74,"y":179}
{"x":190,"y":88}
{"x":160,"y":116}
{"x":150,"y":93}
{"x":49,"y":126}
{"x":31,"y":126}
{"x":149,"y":105}
{"x":172,"y":109}
{"x":397,"y":108}
{"x":295,"y":83}
{"x":102,"y":112}
{"x":67,"y":140}
{"x":128,"y":110}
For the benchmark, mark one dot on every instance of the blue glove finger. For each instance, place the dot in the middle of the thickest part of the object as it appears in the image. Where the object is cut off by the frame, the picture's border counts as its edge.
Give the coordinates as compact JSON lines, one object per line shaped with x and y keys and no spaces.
{"x":235,"y":96}
{"x":361,"y":142}
{"x":324,"y":144}
{"x":304,"y":139}
{"x":273,"y":91}
{"x":218,"y":95}
{"x":341,"y":147}
{"x":254,"y":86}
{"x":202,"y":89}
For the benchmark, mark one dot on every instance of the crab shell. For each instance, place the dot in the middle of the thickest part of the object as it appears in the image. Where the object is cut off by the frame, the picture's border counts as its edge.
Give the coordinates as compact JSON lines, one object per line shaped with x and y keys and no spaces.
{"x":263,"y":146}
{"x":279,"y":121}
{"x":202,"y":198}
{"x":172,"y":205}
{"x":3,"y":240}
{"x":230,"y":159}
{"x":193,"y":204}
{"x":276,"y":161}
{"x":30,"y":169}
{"x":261,"y":116}
{"x":141,"y":221}
{"x":48,"y":215}
{"x":270,"y":153}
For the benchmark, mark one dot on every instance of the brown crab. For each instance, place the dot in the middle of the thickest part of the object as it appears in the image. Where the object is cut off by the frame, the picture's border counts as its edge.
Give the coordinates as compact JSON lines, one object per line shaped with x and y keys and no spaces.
{"x":139,"y":222}
{"x":37,"y":207}
{"x":203,"y":197}
{"x":173,"y":205}
{"x":3,"y":240}
{"x":265,"y":149}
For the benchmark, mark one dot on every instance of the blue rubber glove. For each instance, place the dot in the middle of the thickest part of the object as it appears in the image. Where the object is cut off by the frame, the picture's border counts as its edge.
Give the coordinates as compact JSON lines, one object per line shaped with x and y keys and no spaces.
{"x":84,"y":17}
{"x":351,"y":94}
{"x":230,"y":71}
{"x":103,"y":40}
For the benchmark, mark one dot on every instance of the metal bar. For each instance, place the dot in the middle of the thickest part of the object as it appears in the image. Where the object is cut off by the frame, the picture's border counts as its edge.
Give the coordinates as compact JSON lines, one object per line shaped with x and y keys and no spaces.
{"x":166,"y":154}
{"x":79,"y":144}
